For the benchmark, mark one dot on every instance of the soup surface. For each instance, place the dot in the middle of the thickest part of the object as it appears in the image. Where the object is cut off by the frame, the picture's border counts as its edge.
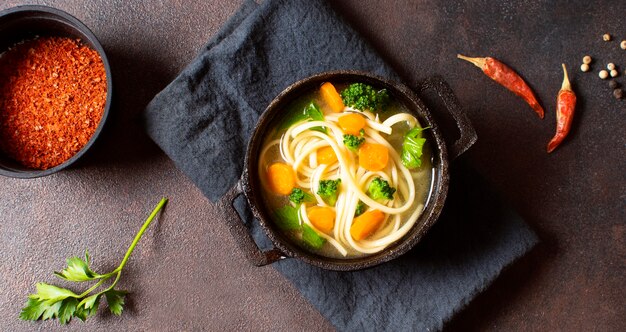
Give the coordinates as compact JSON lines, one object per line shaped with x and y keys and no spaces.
{"x":346,"y":171}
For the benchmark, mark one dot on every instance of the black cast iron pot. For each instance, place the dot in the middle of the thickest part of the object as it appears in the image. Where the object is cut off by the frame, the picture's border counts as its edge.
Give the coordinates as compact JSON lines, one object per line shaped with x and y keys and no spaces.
{"x":250,"y":184}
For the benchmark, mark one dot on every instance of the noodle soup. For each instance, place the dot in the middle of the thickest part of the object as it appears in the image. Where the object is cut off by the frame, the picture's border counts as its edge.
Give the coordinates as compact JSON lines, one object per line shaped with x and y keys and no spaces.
{"x":346,"y":171}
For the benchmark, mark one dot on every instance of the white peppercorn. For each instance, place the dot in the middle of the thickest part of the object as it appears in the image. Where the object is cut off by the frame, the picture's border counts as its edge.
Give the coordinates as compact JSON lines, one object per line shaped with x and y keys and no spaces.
{"x":584,"y":67}
{"x":586,"y":59}
{"x":614,"y":73}
{"x":603,"y":74}
{"x":623,"y":44}
{"x":610,"y":66}
{"x":606,"y":37}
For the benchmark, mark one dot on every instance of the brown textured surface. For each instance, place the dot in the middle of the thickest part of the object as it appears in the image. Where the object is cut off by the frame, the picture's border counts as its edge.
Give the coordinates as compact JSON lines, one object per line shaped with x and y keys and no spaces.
{"x":187,"y":273}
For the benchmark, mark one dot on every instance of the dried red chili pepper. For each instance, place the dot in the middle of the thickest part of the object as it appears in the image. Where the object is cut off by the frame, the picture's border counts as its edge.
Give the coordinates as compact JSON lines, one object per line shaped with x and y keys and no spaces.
{"x":508,"y":78}
{"x":565,"y":104}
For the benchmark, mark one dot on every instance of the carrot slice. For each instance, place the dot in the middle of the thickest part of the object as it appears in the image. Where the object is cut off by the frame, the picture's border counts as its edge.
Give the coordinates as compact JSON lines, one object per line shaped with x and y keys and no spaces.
{"x":326,"y":155}
{"x":323,"y":218}
{"x":365,"y":224}
{"x":281,"y":178}
{"x":373,"y":157}
{"x":332,"y":97}
{"x":352,"y":123}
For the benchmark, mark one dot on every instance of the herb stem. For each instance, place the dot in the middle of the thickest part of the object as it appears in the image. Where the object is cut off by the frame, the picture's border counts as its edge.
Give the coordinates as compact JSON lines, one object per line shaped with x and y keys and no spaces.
{"x":117,"y":278}
{"x":119,"y":274}
{"x":92,"y":288}
{"x":138,"y":237}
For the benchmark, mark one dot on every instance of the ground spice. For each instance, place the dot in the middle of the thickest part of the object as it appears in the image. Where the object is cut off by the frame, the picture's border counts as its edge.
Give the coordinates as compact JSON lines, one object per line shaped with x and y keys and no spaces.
{"x":52,"y":96}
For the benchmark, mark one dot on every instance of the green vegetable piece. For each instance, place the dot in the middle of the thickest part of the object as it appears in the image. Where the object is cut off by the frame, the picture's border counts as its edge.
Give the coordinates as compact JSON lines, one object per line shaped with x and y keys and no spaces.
{"x":311,"y":238}
{"x":304,"y":110}
{"x":33,"y":309}
{"x":313,"y":113}
{"x":360,"y":208}
{"x":329,"y":190}
{"x":67,"y":310}
{"x":77,"y":270}
{"x":55,"y":302}
{"x":379,"y":189}
{"x":287,"y":218}
{"x":52,"y":293}
{"x":89,"y":305}
{"x":298,"y":196}
{"x":352,"y":142}
{"x":81,"y":313}
{"x":364,"y":97}
{"x":115,"y":300}
{"x":90,"y":302}
{"x":412,"y":148}
{"x":52,"y":310}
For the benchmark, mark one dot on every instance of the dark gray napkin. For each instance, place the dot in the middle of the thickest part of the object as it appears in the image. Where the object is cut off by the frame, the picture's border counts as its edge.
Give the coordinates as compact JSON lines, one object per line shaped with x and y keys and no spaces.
{"x":203,"y":121}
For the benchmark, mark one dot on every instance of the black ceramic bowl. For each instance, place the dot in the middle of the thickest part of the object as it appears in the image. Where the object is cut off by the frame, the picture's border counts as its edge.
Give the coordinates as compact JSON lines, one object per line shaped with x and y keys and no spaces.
{"x":250,"y":183}
{"x":27,"y":22}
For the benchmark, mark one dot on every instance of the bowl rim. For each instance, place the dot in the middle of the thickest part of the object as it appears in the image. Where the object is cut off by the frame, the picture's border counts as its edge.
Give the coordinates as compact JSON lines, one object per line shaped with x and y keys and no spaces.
{"x":94,"y":43}
{"x":431,"y":211}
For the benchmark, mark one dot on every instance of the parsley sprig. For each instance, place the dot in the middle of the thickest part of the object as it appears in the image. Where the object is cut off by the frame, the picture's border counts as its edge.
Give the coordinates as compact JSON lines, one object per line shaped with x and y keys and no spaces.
{"x":55,"y":302}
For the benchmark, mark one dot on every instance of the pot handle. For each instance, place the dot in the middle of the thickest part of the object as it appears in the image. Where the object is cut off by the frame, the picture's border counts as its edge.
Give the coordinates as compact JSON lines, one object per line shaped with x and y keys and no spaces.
{"x":241,"y":233}
{"x":467,"y":132}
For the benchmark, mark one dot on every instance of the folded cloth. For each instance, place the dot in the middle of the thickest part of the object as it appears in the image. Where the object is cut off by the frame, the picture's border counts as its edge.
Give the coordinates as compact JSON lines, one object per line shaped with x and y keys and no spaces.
{"x":204,"y":119}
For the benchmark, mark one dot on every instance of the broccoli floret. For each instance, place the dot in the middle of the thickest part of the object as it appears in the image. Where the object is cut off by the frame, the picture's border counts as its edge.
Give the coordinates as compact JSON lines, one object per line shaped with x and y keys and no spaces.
{"x":360,"y":208}
{"x":380,"y":189}
{"x":298,"y":196}
{"x":328,"y":190}
{"x":352,"y":142}
{"x":364,"y":97}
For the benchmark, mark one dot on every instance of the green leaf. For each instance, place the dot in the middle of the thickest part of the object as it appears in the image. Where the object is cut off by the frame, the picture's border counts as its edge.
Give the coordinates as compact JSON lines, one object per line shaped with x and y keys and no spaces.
{"x":68,"y":308}
{"x":80,"y":313}
{"x":52,"y":293}
{"x":51,"y":310}
{"x":287,"y":218}
{"x":89,"y":305}
{"x":412,"y":148}
{"x":313,"y":112}
{"x":32,"y":309}
{"x":90,"y":301}
{"x":115,"y":300}
{"x":78,"y":270}
{"x":294,"y":114}
{"x":311,"y":238}
{"x":302,"y":110}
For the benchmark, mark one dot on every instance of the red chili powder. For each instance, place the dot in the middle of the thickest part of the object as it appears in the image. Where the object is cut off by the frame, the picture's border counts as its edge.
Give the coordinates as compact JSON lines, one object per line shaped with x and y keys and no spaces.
{"x":52,"y":96}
